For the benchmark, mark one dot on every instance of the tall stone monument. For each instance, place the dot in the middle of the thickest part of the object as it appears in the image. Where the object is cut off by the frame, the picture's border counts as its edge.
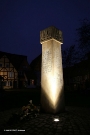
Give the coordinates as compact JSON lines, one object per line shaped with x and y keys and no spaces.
{"x":52,"y":92}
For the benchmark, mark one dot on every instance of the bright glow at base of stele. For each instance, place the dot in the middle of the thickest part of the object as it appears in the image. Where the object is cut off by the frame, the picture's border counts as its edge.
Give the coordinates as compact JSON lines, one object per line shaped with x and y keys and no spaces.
{"x":53,"y":90}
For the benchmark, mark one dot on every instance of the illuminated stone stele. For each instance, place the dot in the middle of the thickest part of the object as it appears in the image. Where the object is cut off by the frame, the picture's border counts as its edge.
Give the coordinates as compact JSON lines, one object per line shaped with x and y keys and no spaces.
{"x":52,"y":92}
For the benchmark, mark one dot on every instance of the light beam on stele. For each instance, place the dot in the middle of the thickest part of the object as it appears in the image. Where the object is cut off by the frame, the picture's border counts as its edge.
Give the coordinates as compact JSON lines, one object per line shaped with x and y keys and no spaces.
{"x":52,"y":93}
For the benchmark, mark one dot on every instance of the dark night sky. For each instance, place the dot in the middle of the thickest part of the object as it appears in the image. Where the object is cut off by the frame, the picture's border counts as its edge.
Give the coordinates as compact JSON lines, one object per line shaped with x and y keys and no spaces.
{"x":22,"y":20}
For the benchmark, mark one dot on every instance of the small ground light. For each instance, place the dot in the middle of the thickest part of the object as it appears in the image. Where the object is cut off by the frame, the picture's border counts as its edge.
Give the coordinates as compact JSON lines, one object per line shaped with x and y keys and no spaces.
{"x":56,"y":118}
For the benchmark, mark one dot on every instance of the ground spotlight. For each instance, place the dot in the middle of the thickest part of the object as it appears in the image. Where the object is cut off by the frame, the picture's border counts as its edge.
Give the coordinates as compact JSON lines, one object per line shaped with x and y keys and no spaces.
{"x":56,"y":119}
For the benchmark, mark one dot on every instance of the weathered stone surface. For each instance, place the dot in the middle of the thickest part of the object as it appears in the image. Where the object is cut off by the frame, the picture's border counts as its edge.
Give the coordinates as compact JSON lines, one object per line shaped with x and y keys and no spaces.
{"x":51,"y":33}
{"x":52,"y":93}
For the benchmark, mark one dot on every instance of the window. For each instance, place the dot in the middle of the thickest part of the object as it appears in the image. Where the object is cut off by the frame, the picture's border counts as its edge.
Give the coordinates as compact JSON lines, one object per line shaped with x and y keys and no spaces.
{"x":7,"y":65}
{"x":10,"y":83}
{"x":6,"y":83}
{"x":10,"y":74}
{"x":32,"y":82}
{"x":0,"y":65}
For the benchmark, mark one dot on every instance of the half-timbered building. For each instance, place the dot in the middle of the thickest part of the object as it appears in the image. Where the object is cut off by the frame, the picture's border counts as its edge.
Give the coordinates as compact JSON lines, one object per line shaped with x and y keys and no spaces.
{"x":8,"y":72}
{"x":13,"y":69}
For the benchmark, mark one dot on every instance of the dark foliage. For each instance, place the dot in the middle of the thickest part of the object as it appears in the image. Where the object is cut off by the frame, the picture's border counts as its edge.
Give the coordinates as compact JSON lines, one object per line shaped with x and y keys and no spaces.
{"x":69,"y":56}
{"x":83,"y":40}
